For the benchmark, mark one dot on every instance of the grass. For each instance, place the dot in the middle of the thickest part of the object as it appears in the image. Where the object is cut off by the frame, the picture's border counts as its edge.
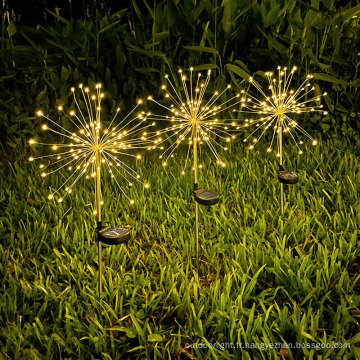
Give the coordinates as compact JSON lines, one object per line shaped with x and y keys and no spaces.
{"x":262,"y":278}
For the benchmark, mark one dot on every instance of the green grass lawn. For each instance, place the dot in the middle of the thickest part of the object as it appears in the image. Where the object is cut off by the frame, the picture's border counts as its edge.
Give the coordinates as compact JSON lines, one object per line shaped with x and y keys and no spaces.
{"x":262,"y":278}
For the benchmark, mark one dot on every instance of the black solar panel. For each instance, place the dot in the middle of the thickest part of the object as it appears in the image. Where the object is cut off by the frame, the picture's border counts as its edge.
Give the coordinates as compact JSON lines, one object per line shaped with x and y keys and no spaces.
{"x":206,"y":197}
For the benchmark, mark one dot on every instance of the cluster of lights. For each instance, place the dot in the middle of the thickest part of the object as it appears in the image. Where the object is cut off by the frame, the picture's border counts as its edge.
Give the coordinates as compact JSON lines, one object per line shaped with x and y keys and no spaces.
{"x":92,"y":145}
{"x":276,"y":109}
{"x":192,"y":118}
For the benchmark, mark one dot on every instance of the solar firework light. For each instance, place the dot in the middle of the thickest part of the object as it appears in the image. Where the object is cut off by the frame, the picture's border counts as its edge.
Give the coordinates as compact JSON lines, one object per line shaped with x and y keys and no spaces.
{"x":276,"y":110}
{"x":91,"y":149}
{"x":193,"y":120}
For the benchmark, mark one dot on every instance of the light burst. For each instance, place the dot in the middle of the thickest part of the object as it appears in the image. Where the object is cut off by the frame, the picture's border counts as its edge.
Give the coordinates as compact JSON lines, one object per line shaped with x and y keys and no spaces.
{"x":193,"y":117}
{"x":93,"y":147}
{"x":277,"y":109}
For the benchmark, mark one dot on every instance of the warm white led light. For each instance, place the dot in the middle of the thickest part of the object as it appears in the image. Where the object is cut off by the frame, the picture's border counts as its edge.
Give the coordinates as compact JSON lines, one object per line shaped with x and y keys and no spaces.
{"x":90,"y":150}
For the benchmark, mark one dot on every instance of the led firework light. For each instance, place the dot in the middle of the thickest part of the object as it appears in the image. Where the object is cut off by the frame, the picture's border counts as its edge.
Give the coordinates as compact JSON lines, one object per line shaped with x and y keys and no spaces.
{"x":194,"y":120}
{"x":276,"y":110}
{"x":93,"y":148}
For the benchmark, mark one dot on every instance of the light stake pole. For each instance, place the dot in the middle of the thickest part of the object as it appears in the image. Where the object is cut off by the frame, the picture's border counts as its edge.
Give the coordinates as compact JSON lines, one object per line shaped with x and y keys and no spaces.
{"x":284,"y":176}
{"x":201,"y":196}
{"x":281,"y":164}
{"x":98,"y":203}
{"x":195,"y":188}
